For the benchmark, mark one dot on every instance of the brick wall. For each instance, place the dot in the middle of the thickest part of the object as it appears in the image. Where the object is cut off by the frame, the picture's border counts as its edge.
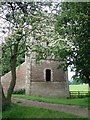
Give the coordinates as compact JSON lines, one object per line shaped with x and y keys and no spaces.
{"x":58,"y":87}
{"x":38,"y":71}
{"x":38,"y":86}
{"x":20,"y":78}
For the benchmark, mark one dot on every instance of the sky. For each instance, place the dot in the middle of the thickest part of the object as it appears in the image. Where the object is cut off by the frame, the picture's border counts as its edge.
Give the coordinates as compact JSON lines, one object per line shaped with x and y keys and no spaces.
{"x":70,"y":74}
{"x":4,"y":25}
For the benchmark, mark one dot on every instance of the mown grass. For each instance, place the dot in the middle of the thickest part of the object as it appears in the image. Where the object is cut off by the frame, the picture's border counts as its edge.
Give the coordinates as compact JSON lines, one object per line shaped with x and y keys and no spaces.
{"x":0,"y":115}
{"x":84,"y":88}
{"x":17,"y":111}
{"x":83,"y":102}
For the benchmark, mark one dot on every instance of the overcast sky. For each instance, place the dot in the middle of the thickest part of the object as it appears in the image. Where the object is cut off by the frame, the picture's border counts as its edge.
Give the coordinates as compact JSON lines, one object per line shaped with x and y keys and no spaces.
{"x":70,"y":74}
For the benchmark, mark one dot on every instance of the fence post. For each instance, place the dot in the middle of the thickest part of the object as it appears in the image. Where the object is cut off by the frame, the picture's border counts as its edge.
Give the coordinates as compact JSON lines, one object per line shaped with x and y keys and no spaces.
{"x":70,"y":93}
{"x":78,"y":94}
{"x":88,"y":93}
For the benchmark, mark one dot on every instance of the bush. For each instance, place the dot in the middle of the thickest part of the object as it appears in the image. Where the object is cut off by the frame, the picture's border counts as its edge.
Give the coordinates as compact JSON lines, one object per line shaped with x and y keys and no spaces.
{"x":21,"y":91}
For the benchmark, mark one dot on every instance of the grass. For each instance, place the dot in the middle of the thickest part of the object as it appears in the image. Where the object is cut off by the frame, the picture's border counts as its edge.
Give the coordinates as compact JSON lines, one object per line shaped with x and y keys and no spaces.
{"x":0,"y":115}
{"x":83,"y":102}
{"x":79,"y":90}
{"x":17,"y":111}
{"x":84,"y":88}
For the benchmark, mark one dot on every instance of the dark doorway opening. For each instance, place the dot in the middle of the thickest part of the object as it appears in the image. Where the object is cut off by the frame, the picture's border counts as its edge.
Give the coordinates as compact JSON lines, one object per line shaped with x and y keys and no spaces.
{"x":48,"y":75}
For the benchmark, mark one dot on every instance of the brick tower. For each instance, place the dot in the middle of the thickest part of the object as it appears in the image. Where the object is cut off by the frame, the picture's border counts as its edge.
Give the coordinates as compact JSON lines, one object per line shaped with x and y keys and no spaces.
{"x":45,"y":79}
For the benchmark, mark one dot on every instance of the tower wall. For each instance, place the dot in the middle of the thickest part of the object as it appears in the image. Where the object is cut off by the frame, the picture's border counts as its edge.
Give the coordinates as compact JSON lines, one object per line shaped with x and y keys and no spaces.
{"x":49,"y":89}
{"x":37,"y":84}
{"x":38,"y":71}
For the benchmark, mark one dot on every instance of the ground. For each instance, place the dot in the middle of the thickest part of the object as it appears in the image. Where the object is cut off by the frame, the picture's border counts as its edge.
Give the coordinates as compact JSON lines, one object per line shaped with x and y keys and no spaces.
{"x":57,"y":107}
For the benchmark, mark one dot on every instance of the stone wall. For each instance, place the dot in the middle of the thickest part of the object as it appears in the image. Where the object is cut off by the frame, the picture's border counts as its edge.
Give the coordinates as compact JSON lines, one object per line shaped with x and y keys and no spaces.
{"x":31,"y":76}
{"x":38,"y":71}
{"x":38,"y":86}
{"x":49,"y":89}
{"x":20,"y":78}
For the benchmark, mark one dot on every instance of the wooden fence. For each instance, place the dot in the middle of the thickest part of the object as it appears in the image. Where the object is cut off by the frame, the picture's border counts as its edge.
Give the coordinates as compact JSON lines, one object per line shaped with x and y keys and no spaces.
{"x":79,"y":94}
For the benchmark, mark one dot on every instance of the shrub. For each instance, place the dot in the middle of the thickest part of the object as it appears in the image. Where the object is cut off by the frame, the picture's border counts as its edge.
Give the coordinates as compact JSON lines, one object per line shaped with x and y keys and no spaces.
{"x":21,"y":91}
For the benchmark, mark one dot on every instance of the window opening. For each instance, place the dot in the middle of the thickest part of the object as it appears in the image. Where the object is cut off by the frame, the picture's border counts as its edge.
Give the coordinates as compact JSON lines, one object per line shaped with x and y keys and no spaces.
{"x":47,"y":43}
{"x":48,"y":75}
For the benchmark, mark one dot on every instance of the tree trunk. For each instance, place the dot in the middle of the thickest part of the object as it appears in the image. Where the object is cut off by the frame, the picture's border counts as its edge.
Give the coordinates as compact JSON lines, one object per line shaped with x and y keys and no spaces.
{"x":13,"y":74}
{"x":89,"y":86}
{"x":13,"y":81}
{"x":88,"y":79}
{"x":89,"y":82}
{"x":2,"y":94}
{"x":4,"y":102}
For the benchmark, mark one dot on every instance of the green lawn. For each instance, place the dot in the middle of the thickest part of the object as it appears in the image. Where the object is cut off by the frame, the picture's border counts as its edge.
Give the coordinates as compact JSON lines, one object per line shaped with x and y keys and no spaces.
{"x":79,"y":90}
{"x":79,"y":87}
{"x":0,"y":115}
{"x":83,"y":102}
{"x":33,"y":112}
{"x":17,"y":111}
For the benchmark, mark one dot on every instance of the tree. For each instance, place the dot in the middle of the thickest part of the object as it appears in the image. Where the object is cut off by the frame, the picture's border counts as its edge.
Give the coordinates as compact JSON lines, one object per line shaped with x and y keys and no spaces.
{"x":73,"y":25}
{"x":26,"y":21}
{"x":6,"y":59}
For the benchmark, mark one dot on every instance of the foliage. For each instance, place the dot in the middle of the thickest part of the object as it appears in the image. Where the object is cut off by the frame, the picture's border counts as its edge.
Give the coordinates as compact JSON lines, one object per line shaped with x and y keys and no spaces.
{"x":36,"y":25}
{"x":21,"y":91}
{"x":6,"y":58}
{"x":27,"y":22}
{"x":73,"y":26}
{"x":76,"y":81}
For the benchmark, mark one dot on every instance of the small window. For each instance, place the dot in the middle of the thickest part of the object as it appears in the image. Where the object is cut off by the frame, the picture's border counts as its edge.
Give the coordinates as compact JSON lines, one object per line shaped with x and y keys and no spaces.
{"x":48,"y":75}
{"x":47,"y":43}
